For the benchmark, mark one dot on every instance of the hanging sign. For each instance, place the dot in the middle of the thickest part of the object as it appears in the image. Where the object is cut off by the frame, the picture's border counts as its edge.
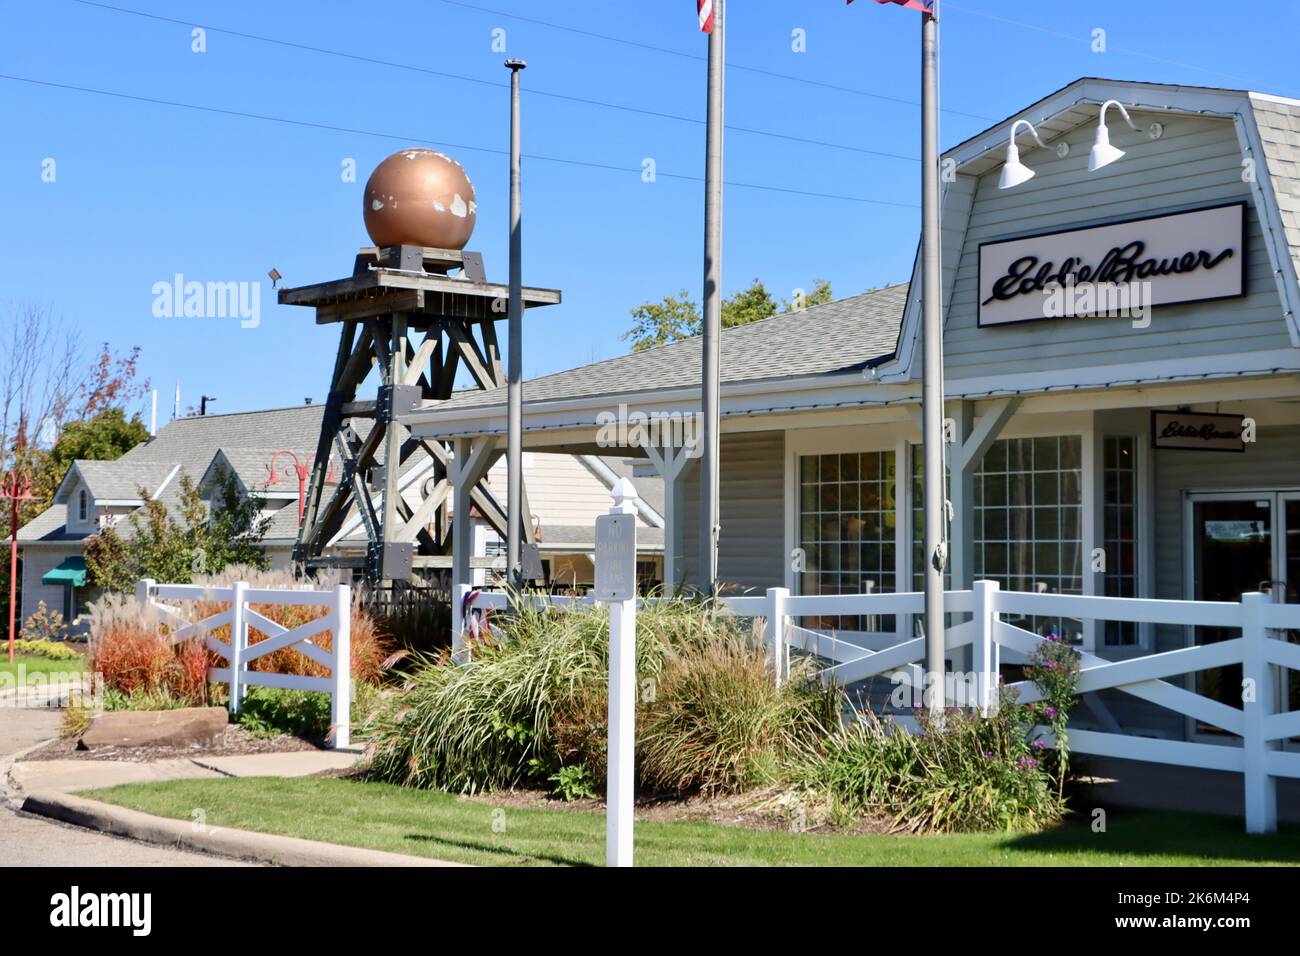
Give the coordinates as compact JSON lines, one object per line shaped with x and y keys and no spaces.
{"x":1155,"y":260}
{"x":1197,"y":431}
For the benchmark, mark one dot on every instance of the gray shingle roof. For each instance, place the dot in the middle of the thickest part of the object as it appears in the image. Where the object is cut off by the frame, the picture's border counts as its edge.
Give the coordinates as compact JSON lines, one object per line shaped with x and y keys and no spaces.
{"x":835,"y":337}
{"x":49,"y":525}
{"x":195,"y":440}
{"x":1279,"y":129}
{"x":122,"y":480}
{"x":252,"y":466}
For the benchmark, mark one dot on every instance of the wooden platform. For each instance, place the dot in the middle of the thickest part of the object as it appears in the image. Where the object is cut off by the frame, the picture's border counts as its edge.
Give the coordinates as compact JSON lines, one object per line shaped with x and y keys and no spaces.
{"x":385,"y":291}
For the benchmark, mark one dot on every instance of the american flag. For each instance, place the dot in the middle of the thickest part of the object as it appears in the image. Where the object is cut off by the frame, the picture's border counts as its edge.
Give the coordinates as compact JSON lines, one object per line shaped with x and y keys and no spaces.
{"x":925,"y":6}
{"x":705,"y":10}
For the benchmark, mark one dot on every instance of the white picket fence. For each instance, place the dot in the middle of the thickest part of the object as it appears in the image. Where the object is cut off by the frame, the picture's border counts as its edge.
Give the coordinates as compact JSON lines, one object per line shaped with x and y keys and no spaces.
{"x":237,"y":652}
{"x":1257,"y":728}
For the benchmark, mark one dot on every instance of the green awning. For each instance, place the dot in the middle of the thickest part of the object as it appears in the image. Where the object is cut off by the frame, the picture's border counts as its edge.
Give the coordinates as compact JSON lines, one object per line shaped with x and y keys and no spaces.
{"x":70,"y":571}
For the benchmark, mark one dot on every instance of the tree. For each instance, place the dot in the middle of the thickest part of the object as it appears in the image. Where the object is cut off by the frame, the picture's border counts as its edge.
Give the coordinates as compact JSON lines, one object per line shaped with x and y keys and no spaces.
{"x":658,"y":323}
{"x":45,"y":383}
{"x":674,"y":318}
{"x":174,"y":549}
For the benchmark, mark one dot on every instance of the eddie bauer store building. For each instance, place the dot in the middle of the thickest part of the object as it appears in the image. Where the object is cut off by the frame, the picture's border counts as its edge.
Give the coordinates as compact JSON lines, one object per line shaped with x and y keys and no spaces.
{"x":1150,"y":456}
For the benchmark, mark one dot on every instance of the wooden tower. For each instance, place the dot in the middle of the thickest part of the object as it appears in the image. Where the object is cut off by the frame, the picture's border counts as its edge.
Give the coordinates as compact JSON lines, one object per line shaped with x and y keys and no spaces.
{"x":404,"y":312}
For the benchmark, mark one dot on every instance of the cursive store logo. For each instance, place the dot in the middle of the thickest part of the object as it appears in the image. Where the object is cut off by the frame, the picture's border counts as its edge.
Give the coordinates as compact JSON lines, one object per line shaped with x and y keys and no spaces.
{"x":1181,"y":257}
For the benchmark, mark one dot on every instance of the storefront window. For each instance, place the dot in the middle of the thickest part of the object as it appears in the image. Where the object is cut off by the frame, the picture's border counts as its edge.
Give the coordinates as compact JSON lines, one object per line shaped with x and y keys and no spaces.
{"x":1028,"y":499}
{"x":1119,"y":534}
{"x":846,"y":531}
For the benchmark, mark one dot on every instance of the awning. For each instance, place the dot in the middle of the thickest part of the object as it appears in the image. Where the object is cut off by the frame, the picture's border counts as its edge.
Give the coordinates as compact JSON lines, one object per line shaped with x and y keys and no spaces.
{"x":70,"y":571}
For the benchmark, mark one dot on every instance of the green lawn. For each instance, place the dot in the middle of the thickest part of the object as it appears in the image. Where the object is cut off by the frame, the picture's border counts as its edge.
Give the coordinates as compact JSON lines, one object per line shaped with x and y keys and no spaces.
{"x":384,"y":817}
{"x":36,"y":665}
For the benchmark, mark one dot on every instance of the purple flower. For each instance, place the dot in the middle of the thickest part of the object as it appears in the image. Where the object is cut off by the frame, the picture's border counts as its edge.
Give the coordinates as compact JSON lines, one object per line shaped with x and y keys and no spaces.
{"x":1050,"y":711}
{"x":1039,"y":745}
{"x":1027,"y":763}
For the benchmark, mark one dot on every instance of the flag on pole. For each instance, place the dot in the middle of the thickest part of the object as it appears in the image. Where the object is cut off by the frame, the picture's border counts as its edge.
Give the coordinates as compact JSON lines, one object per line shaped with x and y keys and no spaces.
{"x":925,"y":6}
{"x":705,"y":9}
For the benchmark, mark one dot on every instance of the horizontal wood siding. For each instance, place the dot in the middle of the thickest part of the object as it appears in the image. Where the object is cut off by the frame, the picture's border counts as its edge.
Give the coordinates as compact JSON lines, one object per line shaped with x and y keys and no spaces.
{"x":1196,"y":163}
{"x":752,"y":544}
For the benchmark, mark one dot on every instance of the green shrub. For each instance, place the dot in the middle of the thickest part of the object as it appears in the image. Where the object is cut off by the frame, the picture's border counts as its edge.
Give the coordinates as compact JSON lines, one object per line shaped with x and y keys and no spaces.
{"x":719,"y":723}
{"x":533,"y":700}
{"x":270,"y":711}
{"x":51,"y":650}
{"x":961,"y":773}
{"x":573,"y":783}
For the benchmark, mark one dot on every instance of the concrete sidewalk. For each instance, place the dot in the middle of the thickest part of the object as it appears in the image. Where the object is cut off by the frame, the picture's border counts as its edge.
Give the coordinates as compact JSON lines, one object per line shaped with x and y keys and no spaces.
{"x":67,"y":776}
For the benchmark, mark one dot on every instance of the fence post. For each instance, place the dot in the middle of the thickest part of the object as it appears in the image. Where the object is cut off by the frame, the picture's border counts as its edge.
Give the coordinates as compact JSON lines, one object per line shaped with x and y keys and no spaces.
{"x":341,"y":709}
{"x":982,"y":658}
{"x":1257,"y":704}
{"x":238,"y":641}
{"x":458,"y":593}
{"x":776,"y":632}
{"x":143,"y":589}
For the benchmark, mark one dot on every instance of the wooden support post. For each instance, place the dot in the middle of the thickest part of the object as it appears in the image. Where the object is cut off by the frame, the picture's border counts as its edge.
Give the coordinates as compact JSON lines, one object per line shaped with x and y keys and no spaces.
{"x":671,"y":463}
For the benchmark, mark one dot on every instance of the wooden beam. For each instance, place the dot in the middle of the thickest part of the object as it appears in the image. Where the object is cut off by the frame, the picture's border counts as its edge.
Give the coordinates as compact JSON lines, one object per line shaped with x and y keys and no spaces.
{"x":471,"y":355}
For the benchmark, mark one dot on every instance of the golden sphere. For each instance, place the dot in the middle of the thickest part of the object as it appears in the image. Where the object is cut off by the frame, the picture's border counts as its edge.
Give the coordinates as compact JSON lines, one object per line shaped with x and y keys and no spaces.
{"x":420,"y":197}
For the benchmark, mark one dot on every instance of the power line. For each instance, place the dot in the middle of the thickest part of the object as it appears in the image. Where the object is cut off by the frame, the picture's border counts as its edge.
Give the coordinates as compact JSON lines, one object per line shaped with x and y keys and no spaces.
{"x":1061,"y":34}
{"x":353,"y":131}
{"x":530,"y":91}
{"x":731,"y":64}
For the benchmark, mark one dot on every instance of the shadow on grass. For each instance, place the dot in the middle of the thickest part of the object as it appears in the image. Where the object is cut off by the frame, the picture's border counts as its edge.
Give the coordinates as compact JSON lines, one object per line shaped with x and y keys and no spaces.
{"x":500,"y":851}
{"x":1144,"y":833}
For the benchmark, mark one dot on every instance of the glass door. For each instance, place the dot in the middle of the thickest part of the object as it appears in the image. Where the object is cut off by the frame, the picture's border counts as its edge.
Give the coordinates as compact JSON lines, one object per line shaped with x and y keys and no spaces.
{"x":1239,"y":542}
{"x":1232,"y":544}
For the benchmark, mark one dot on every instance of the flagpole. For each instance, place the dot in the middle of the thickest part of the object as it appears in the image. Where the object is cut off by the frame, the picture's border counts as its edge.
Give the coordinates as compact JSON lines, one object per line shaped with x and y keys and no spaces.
{"x":935,"y":544}
{"x":711,"y":462}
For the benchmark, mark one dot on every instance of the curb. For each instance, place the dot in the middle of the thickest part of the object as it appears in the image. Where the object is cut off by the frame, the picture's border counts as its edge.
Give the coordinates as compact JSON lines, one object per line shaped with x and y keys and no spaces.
{"x":240,"y":844}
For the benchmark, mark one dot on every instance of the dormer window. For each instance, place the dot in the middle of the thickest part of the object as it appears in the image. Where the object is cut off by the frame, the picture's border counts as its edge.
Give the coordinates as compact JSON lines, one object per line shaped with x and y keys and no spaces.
{"x":83,"y":505}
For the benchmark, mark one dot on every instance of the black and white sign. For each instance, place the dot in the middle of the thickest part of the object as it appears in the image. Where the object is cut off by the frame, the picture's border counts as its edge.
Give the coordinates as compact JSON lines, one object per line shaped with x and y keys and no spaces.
{"x":615,"y":557}
{"x":1181,"y":257}
{"x":1197,"y":431}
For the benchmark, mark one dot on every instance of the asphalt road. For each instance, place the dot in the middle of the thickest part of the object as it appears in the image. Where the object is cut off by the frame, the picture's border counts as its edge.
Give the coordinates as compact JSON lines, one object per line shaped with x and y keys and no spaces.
{"x":27,"y":840}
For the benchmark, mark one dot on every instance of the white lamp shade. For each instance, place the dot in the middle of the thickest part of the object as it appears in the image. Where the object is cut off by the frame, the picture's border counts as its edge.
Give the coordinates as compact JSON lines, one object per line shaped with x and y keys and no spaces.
{"x":1103,"y":154}
{"x":1014,"y":172}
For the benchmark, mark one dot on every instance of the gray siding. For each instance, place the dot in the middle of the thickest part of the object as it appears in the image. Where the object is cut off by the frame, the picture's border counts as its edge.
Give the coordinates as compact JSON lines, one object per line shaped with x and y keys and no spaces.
{"x":752,"y":545}
{"x":1196,"y":163}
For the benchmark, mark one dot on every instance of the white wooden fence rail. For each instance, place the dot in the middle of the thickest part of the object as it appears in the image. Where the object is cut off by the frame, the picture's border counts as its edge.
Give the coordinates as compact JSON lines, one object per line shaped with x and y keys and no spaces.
{"x":1257,"y":728}
{"x":237,"y":652}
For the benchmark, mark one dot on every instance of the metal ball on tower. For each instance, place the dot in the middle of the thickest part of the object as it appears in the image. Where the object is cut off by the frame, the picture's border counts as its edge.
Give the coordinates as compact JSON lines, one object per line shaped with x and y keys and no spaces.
{"x":420,"y":197}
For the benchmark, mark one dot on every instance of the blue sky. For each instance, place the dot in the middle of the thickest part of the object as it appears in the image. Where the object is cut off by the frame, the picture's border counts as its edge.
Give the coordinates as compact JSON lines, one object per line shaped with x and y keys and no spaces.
{"x":144,"y":190}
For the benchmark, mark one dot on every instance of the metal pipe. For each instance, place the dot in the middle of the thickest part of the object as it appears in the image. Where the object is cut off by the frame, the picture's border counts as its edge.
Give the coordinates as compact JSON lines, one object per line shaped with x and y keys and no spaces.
{"x":514,"y":374}
{"x":711,"y":461}
{"x":935,"y":546}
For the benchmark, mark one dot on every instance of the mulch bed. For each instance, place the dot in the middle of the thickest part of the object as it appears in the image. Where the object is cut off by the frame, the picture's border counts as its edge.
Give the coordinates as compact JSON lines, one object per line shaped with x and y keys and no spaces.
{"x":759,"y":810}
{"x":233,"y":741}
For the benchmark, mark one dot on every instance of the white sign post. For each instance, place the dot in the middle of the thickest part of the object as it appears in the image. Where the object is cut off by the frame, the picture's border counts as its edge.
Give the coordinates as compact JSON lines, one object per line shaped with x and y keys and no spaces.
{"x":616,"y":585}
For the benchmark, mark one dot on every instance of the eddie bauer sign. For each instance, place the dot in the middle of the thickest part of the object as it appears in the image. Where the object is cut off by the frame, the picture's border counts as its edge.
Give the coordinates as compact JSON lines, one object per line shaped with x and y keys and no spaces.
{"x":1198,"y":431}
{"x":1179,"y":257}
